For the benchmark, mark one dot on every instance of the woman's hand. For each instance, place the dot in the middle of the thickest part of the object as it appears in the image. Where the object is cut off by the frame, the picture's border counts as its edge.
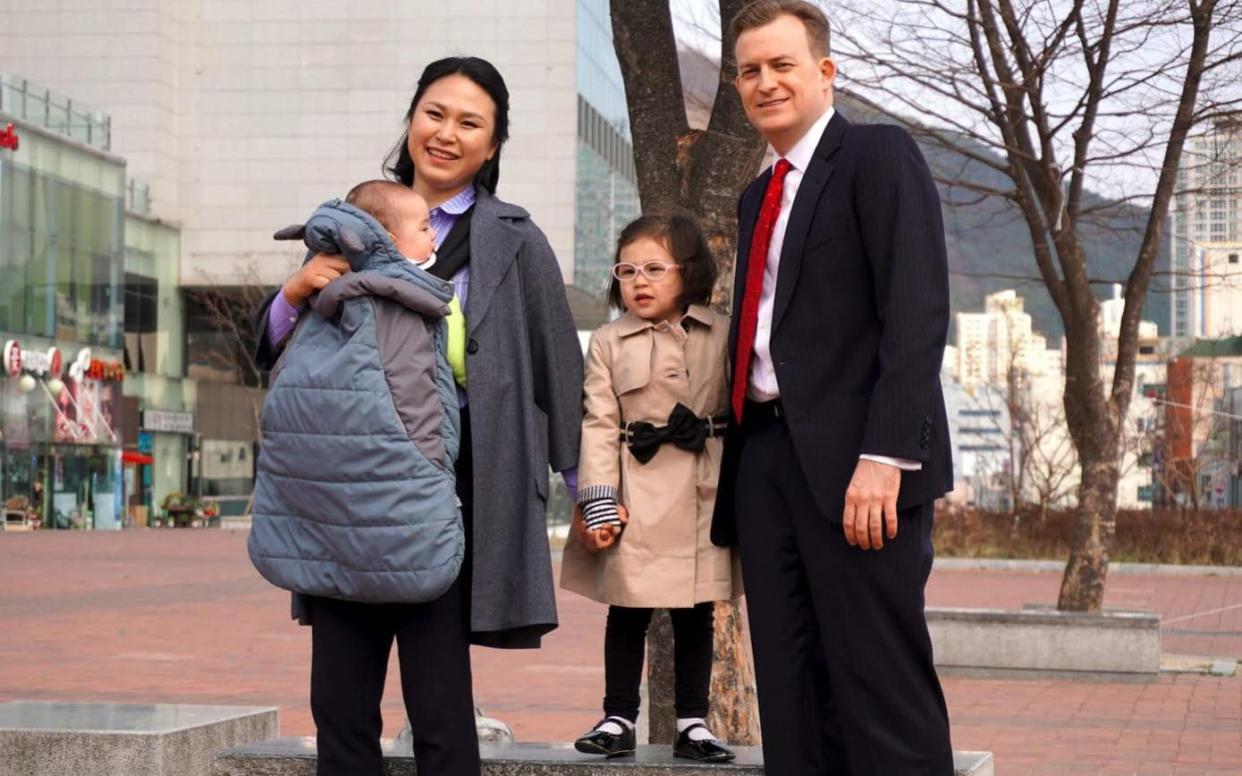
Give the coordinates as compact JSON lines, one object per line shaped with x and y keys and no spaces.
{"x":603,"y":537}
{"x":313,"y":276}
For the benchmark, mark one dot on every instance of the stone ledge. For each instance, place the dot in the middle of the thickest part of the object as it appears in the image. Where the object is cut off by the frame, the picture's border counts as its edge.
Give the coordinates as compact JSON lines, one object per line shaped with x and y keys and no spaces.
{"x":107,"y":739}
{"x":1044,"y":639}
{"x":1034,"y":614}
{"x":296,"y":757}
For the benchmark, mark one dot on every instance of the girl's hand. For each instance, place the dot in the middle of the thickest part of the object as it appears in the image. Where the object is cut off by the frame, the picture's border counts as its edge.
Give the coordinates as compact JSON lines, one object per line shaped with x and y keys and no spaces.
{"x":609,"y":535}
{"x":601,"y":538}
{"x":314,"y":275}
{"x":624,"y":514}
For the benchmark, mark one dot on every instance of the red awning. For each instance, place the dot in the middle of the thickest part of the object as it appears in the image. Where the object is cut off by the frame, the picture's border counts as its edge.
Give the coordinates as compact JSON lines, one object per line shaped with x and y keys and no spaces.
{"x":129,"y":456}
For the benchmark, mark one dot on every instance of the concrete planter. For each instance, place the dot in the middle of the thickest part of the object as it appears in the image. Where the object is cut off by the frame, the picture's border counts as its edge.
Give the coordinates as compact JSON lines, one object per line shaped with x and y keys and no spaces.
{"x":296,"y":757}
{"x":1041,"y":638}
{"x":108,"y":739}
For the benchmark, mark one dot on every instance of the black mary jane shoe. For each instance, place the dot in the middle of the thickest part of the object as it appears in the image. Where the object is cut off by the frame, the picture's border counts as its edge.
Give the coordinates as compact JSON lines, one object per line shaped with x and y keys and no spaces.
{"x":706,"y":751}
{"x":608,"y":744}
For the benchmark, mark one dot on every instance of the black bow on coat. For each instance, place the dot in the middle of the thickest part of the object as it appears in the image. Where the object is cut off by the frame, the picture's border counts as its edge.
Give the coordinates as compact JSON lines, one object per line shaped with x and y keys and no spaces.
{"x":685,"y":429}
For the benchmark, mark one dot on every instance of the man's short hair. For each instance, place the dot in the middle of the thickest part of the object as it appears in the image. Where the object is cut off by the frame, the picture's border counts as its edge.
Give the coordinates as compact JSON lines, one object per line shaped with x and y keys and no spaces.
{"x":763,"y":12}
{"x":379,"y":198}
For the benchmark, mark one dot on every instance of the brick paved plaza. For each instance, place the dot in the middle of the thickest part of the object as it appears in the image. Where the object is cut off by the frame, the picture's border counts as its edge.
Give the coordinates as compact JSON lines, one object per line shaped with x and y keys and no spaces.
{"x":180,"y":616}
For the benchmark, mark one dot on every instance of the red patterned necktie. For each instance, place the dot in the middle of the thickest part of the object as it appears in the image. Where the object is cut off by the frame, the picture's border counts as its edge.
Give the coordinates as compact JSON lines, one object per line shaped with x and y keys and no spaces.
{"x":755,"y":266}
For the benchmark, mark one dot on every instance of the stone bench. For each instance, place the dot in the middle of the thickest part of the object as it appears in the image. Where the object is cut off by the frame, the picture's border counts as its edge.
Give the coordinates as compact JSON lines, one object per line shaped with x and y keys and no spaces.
{"x":109,"y":739}
{"x":296,"y":757}
{"x":1039,"y":638}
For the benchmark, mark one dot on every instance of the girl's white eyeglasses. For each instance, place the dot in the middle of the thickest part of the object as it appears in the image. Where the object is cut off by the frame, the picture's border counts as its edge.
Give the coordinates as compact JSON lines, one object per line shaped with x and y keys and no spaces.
{"x":652,"y":270}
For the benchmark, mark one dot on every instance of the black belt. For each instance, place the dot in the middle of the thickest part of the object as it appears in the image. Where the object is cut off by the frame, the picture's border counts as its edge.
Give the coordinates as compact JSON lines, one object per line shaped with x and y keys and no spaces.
{"x":763,"y":411}
{"x":684,"y":429}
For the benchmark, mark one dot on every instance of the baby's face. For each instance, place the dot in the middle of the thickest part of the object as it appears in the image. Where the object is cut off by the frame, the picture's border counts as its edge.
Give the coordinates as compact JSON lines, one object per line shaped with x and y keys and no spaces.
{"x":414,"y":237}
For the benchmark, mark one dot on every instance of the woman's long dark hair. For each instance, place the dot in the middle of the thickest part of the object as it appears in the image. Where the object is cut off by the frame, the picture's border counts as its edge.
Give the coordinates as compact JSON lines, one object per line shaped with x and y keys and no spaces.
{"x":399,"y":164}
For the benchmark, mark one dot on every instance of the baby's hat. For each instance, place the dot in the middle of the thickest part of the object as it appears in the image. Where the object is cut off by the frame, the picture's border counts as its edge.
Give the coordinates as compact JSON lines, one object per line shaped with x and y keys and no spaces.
{"x":338,"y":227}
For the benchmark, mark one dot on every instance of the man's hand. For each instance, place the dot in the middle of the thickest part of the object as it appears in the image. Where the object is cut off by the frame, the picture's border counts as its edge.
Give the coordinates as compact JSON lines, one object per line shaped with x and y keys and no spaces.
{"x":871,"y":504}
{"x":600,"y":538}
{"x":313,"y":276}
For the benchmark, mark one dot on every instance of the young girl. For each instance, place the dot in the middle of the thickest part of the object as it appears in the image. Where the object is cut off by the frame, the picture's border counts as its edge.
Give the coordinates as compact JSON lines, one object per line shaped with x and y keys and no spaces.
{"x":655,"y":396}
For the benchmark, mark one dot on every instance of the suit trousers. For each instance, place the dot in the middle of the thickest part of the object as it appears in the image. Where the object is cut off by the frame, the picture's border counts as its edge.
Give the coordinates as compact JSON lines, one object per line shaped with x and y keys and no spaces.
{"x":351,"y":643}
{"x":843,"y":659}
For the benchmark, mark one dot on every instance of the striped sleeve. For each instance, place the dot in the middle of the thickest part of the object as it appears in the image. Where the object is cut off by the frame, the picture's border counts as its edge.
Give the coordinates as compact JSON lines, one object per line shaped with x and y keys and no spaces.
{"x":599,"y":506}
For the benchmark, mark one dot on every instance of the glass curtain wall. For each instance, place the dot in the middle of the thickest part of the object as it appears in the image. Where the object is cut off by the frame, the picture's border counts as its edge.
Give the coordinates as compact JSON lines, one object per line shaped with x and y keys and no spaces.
{"x":61,"y":286}
{"x":606,"y":185}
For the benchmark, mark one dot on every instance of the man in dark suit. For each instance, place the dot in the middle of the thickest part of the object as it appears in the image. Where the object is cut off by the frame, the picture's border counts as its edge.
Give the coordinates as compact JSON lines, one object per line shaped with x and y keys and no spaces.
{"x":838,"y":442}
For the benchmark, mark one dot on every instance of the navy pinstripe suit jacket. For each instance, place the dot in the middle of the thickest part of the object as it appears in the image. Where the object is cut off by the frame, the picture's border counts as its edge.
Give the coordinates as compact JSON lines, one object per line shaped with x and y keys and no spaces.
{"x":860,"y":318}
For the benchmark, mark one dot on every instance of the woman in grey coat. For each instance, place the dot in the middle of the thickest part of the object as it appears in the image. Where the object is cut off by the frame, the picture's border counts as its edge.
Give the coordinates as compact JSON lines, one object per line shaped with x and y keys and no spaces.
{"x":520,"y":415}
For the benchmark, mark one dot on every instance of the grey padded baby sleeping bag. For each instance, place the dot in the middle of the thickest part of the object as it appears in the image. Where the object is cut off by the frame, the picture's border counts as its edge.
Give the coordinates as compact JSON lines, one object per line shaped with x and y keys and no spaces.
{"x":355,"y":496}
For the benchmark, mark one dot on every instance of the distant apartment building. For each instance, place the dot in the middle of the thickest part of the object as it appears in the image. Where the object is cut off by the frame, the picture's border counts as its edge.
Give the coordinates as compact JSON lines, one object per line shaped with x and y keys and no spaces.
{"x":1000,"y":368}
{"x":990,"y":342}
{"x":1195,"y":461}
{"x":1205,"y":232}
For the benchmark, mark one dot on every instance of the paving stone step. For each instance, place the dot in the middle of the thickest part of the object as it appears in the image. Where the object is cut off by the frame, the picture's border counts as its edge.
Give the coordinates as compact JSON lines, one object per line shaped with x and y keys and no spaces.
{"x":296,"y":757}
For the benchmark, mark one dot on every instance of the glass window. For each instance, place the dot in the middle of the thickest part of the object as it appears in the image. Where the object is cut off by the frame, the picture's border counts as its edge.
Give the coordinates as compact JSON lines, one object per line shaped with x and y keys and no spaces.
{"x":60,"y":252}
{"x":141,"y":323}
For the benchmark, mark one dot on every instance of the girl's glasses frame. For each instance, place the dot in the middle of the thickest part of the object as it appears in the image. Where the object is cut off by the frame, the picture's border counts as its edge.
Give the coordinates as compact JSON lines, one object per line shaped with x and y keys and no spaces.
{"x":652,"y":270}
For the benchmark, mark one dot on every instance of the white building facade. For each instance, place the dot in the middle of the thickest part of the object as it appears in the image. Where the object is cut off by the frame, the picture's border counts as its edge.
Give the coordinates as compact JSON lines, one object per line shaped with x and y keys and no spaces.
{"x":245,"y":114}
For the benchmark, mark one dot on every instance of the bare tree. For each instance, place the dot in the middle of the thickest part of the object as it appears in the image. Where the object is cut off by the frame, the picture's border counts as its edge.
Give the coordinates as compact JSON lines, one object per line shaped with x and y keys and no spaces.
{"x":703,"y":171}
{"x":1039,"y":467}
{"x":229,"y":310}
{"x":1052,"y":471}
{"x":1051,"y":97}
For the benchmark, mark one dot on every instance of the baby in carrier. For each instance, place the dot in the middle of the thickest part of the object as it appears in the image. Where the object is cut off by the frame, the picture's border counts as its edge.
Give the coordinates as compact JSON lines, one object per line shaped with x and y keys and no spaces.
{"x":355,"y":496}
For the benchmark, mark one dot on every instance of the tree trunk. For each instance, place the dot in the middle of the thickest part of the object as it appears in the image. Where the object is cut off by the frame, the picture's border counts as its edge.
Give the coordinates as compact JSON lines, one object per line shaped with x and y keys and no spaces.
{"x":1092,"y":425}
{"x":734,"y":703}
{"x":661,"y":715}
{"x":703,"y":172}
{"x":1082,"y":586}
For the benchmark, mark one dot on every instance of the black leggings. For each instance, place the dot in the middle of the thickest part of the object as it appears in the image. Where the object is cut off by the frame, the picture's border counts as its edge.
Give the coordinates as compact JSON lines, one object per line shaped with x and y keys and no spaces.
{"x":624,"y":642}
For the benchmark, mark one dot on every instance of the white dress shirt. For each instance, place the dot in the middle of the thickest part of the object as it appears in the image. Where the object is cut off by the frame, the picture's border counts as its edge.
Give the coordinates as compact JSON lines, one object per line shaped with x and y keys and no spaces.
{"x":763,"y":385}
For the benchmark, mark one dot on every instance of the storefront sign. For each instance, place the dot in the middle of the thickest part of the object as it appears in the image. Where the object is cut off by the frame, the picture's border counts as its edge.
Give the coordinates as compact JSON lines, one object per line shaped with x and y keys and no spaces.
{"x":168,"y":422}
{"x":80,"y":365}
{"x":8,"y":138}
{"x":12,"y":358}
{"x":85,"y":366}
{"x":49,"y":362}
{"x":87,"y":412}
{"x":106,"y":370}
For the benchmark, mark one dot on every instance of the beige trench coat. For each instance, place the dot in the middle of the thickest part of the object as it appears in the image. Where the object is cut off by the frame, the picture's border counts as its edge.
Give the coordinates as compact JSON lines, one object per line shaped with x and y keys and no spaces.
{"x":638,"y":371}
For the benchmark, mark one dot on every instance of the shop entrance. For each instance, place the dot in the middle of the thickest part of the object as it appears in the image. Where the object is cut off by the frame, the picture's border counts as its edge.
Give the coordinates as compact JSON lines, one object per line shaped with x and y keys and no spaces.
{"x":23,"y":485}
{"x":138,"y":488}
{"x":84,"y":489}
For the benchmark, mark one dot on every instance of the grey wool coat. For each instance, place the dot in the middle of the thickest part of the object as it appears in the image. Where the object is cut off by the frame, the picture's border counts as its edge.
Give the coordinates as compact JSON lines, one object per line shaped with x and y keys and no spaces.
{"x":524,"y":369}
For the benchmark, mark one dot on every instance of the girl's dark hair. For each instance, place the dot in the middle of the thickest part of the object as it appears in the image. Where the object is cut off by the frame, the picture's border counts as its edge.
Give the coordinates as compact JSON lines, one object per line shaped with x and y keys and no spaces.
{"x":679,"y":232}
{"x":399,"y":164}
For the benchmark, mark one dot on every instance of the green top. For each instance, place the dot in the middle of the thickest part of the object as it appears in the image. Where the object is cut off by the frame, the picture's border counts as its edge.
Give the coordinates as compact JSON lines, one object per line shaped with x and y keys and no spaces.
{"x":456,"y":354}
